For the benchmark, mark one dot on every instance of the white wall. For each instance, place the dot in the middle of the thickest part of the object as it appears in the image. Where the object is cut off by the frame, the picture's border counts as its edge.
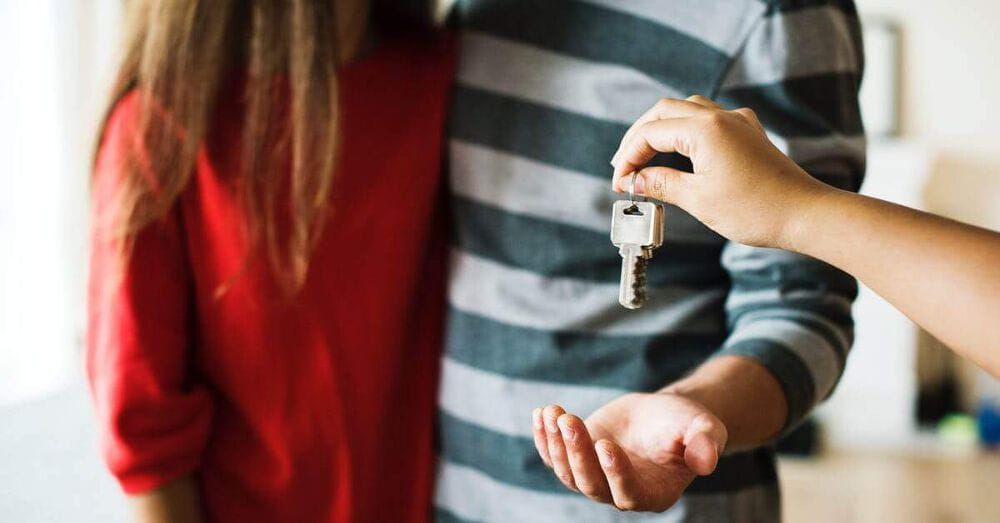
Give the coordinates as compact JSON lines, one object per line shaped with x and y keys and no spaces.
{"x":950,"y":78}
{"x":947,"y":160}
{"x":35,"y":333}
{"x":56,"y":56}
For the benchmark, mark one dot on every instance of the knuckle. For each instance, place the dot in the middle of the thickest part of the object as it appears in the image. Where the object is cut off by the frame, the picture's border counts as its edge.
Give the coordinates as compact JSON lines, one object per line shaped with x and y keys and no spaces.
{"x":716,"y":123}
{"x":747,"y":113}
{"x":658,"y":187}
{"x":717,"y":119}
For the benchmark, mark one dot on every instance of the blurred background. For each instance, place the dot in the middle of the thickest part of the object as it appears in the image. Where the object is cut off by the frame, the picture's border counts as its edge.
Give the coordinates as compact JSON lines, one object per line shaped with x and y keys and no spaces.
{"x":906,"y":436}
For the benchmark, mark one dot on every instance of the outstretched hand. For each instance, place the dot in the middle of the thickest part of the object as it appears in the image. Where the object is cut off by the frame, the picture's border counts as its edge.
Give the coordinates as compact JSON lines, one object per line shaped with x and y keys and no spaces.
{"x":638,"y":452}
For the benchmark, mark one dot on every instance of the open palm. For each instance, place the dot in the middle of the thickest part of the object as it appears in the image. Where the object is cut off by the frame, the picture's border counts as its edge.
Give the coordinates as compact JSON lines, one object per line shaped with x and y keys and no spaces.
{"x":638,"y":452}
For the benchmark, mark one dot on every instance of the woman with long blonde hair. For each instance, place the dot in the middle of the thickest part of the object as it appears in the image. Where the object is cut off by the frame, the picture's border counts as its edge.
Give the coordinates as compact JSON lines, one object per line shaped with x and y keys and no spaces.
{"x":265,"y":292}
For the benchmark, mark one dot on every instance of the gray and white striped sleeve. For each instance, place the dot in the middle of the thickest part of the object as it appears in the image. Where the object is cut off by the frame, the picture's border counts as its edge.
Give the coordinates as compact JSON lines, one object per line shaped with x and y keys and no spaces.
{"x":799,"y":70}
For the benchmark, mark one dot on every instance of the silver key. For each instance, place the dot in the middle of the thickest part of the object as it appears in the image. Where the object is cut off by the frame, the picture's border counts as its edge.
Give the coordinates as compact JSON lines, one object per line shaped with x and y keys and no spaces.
{"x":636,"y":229}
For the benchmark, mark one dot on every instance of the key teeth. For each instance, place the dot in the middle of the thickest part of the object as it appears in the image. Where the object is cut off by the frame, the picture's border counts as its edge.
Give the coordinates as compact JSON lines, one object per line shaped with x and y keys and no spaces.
{"x":639,"y":282}
{"x":639,"y":278}
{"x":635,"y":294}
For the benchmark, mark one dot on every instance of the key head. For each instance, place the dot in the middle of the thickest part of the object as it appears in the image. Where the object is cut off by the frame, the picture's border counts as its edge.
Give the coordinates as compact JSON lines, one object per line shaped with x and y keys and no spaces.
{"x":639,"y":223}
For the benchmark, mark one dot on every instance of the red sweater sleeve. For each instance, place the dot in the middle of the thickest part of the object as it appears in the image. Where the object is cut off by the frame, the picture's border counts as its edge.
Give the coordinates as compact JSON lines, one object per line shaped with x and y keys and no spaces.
{"x":154,"y":414}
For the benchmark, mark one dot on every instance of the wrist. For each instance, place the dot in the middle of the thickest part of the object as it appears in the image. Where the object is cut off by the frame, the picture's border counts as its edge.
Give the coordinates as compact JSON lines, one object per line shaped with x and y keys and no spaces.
{"x":701,"y":392}
{"x":741,"y":393}
{"x":804,"y":214}
{"x":703,"y":420}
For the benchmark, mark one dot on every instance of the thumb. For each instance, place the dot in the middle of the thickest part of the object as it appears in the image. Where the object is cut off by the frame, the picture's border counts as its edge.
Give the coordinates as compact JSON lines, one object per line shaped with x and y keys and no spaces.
{"x":662,"y":183}
{"x":704,"y":443}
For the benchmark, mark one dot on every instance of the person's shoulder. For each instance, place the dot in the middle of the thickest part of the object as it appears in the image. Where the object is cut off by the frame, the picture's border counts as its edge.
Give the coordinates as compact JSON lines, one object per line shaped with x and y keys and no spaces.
{"x":123,"y":114}
{"x":784,"y":6}
{"x":122,"y":142}
{"x":127,"y":113}
{"x":118,"y":133}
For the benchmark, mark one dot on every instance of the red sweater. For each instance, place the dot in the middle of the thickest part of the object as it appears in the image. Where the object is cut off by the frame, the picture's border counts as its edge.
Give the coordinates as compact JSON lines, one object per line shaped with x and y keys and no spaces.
{"x":319,"y":409}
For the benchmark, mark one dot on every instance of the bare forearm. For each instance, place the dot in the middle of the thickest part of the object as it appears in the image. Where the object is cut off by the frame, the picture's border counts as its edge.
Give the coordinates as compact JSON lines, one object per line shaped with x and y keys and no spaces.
{"x":742,"y":393}
{"x":175,"y":502}
{"x":943,"y":274}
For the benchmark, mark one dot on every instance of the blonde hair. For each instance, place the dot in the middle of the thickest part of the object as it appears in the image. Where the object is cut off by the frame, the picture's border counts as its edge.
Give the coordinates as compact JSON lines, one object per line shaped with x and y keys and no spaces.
{"x":177,"y":55}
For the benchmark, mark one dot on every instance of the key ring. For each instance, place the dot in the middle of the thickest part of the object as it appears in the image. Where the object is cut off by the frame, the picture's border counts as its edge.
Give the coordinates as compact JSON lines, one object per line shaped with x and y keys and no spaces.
{"x":631,"y":188}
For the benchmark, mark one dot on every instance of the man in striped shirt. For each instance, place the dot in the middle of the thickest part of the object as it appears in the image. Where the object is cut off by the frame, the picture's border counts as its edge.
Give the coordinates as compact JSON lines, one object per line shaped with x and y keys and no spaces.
{"x":545,"y":92}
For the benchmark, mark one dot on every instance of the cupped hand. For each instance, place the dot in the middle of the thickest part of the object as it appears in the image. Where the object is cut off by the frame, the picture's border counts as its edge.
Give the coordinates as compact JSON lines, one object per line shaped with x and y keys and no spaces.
{"x":742,"y":186}
{"x":638,"y":452}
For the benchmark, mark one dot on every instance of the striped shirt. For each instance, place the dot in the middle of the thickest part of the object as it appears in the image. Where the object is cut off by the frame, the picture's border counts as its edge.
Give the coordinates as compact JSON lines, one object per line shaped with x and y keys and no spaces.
{"x":545,"y":91}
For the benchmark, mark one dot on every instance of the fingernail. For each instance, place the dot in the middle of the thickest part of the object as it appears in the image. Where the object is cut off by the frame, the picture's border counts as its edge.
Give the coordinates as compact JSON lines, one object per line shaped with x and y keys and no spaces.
{"x":604,"y":455}
{"x":568,"y":433}
{"x":550,"y":424}
{"x":536,"y":418}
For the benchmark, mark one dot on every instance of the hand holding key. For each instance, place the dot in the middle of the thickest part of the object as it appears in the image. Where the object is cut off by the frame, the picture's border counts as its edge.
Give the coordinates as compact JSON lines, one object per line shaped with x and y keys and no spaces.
{"x":742,"y":186}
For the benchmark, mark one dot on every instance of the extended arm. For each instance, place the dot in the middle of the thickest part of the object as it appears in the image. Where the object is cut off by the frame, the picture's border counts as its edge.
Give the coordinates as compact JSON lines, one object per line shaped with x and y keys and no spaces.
{"x":943,"y":274}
